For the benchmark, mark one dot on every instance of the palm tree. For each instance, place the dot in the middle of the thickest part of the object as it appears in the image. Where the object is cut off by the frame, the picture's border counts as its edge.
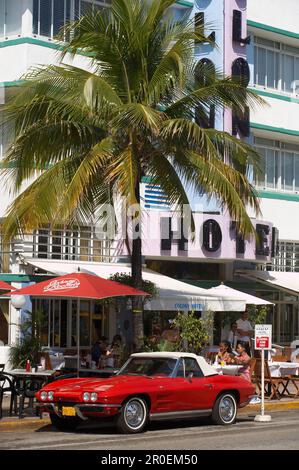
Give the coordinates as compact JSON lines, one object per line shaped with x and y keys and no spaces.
{"x":95,"y":131}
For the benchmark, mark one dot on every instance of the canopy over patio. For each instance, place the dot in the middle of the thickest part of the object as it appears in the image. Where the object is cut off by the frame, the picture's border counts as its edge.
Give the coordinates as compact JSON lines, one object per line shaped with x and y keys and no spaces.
{"x":173,"y":294}
{"x":222,"y":289}
{"x":285,"y":281}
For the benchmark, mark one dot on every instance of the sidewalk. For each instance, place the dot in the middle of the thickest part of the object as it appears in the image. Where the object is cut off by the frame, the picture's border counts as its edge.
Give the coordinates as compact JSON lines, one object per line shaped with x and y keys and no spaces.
{"x":284,"y":404}
{"x":13,"y":423}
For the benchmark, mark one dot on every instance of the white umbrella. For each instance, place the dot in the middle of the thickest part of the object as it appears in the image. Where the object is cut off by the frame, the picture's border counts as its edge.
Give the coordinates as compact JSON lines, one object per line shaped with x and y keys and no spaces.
{"x":222,"y":289}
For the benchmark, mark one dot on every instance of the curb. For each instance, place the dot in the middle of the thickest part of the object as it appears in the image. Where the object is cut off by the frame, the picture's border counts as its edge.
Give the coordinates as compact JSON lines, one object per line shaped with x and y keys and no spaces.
{"x":8,"y":423}
{"x":274,"y":406}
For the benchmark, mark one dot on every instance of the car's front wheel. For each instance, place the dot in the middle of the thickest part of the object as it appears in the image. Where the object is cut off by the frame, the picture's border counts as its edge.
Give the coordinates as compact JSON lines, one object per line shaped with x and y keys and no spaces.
{"x":64,"y":424}
{"x":225,"y":409}
{"x":133,"y":416}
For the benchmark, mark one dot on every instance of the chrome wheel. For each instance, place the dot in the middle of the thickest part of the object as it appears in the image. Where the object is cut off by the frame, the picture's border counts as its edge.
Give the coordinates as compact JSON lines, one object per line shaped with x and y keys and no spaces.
{"x":135,"y":413}
{"x":227,"y":409}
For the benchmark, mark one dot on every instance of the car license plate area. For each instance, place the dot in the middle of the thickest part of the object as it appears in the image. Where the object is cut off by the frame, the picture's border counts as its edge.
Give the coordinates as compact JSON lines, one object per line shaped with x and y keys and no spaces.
{"x":68,"y":411}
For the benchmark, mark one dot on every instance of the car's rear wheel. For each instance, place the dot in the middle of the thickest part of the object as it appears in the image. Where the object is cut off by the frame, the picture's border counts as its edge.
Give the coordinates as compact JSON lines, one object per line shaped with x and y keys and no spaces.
{"x":225,"y":409}
{"x":133,"y":416}
{"x":64,"y":424}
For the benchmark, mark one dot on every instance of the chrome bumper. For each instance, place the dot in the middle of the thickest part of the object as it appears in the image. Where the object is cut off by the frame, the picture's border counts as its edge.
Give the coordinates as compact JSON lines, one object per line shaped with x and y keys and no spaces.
{"x":87,"y":407}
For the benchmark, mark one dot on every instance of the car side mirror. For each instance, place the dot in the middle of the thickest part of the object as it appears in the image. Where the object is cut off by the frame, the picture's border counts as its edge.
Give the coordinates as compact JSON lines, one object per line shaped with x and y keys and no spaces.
{"x":190,"y":376}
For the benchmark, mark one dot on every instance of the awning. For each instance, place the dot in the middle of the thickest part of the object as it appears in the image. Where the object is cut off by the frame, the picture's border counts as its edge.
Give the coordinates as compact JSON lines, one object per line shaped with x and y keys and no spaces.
{"x":222,"y":289}
{"x":173,"y":295}
{"x":286,"y":281}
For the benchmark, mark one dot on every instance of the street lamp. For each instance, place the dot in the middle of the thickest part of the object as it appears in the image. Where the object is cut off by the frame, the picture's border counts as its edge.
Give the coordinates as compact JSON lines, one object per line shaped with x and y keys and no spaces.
{"x":18,"y":302}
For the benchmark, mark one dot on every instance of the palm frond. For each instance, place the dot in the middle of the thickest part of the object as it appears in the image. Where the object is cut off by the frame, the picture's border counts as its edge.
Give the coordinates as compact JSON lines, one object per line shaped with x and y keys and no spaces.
{"x":87,"y":133}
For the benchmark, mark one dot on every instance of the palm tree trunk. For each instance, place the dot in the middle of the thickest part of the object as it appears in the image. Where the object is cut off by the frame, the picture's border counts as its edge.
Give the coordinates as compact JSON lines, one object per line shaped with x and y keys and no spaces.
{"x":136,"y":267}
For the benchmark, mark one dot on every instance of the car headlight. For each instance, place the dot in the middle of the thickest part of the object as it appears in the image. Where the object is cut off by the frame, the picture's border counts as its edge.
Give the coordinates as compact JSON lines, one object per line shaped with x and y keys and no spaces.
{"x":43,"y":396}
{"x":50,"y":396}
{"x":93,"y":396}
{"x":86,"y":396}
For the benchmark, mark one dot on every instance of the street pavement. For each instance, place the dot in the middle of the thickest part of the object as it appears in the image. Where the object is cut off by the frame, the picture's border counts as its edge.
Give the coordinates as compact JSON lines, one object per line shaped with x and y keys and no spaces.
{"x":282,"y":433}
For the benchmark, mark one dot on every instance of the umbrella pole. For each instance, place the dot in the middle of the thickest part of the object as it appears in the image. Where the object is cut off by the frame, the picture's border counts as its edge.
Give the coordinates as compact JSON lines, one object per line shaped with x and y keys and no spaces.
{"x":78,"y":336}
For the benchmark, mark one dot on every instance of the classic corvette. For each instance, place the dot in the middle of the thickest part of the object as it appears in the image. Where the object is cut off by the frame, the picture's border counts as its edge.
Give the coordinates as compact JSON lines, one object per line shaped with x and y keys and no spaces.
{"x":149,"y":387}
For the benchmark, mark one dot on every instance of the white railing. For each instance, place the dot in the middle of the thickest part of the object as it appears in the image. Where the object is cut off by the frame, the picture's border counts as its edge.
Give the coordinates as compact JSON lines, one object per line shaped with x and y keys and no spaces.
{"x":47,"y":244}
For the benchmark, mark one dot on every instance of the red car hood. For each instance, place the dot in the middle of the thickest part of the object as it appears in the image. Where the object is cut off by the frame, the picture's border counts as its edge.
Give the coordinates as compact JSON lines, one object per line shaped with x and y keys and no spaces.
{"x":93,"y":384}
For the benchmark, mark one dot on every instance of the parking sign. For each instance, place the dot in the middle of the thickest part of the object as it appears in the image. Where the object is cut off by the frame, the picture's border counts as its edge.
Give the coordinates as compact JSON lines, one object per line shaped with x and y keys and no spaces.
{"x":263,"y":337}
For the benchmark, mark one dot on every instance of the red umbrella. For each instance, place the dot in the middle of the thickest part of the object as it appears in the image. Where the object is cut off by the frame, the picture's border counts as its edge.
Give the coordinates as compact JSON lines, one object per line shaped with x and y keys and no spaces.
{"x":80,"y":286}
{"x":4,"y":287}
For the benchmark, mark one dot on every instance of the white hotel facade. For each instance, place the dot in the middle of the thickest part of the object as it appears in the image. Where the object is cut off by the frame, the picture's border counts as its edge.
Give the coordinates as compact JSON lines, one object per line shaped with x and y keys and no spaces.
{"x":27,"y":32}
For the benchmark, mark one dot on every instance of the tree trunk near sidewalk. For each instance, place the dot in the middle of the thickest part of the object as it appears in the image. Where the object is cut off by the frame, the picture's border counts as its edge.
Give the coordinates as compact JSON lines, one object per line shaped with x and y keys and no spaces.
{"x":136,"y":268}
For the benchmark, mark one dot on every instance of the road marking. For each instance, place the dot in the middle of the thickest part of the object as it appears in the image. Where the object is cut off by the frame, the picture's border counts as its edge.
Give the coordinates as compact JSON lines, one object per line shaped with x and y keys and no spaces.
{"x":149,"y":436}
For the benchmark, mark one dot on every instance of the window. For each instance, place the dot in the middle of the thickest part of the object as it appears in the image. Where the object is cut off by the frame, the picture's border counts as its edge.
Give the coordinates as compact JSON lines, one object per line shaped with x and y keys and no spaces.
{"x":10,"y":17}
{"x":59,"y":321}
{"x":286,"y":257}
{"x":187,"y":366}
{"x":192,"y":367}
{"x":79,"y":243}
{"x":276,"y":65}
{"x":49,"y":16}
{"x":280,"y":164}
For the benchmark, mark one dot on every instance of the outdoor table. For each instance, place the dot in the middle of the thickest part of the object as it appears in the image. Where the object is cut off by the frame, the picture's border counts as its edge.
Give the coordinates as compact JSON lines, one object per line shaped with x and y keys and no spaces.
{"x":280,"y":369}
{"x":228,"y":369}
{"x":23,"y":384}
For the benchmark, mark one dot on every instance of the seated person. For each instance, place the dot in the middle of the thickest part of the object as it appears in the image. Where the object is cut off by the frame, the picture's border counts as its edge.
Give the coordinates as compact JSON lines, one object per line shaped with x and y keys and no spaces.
{"x":171,"y":335}
{"x":295,"y":355}
{"x":225,"y":353}
{"x":98,"y":349}
{"x":114,"y":353}
{"x":243,"y":359}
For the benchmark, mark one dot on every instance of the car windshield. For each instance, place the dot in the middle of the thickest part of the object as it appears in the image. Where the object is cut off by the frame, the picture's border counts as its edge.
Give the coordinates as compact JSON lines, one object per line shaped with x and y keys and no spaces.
{"x":149,"y":366}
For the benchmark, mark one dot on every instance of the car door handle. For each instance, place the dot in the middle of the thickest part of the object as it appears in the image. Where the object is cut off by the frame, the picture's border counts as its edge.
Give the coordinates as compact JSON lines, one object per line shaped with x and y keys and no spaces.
{"x":210,"y":386}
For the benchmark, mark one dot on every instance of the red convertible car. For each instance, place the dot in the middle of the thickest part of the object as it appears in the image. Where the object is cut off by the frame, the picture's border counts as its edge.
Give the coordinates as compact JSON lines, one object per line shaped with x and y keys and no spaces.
{"x":149,"y":387}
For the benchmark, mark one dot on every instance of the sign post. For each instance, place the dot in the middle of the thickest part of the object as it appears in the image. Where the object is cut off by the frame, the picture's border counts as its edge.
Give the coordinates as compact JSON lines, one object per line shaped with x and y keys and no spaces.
{"x":263,"y":341}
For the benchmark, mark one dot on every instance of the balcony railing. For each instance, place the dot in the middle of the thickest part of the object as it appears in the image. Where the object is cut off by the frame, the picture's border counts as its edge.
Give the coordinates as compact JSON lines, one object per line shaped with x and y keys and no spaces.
{"x":67,"y":245}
